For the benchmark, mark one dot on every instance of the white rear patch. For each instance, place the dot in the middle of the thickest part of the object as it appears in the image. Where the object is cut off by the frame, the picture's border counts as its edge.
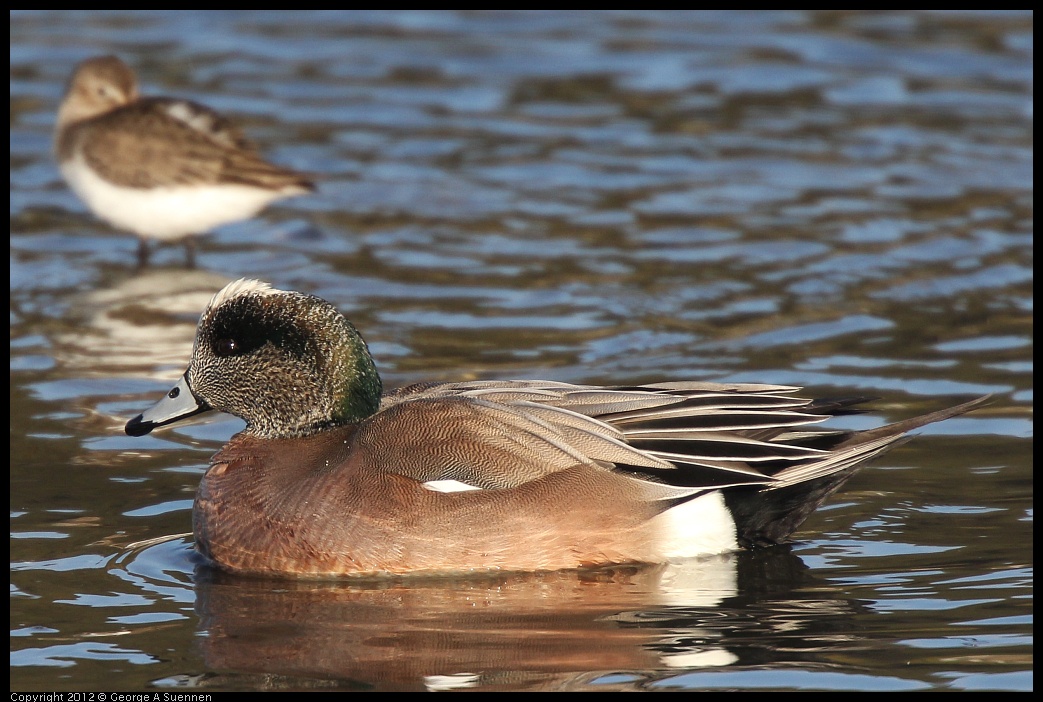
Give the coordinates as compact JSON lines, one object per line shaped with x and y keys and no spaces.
{"x":448,"y":486}
{"x":699,"y":527}
{"x":713,"y":658}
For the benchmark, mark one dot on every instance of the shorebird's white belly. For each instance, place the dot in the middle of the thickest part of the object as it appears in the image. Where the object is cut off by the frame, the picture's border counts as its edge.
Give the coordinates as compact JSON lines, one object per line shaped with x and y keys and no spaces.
{"x":166,"y":213}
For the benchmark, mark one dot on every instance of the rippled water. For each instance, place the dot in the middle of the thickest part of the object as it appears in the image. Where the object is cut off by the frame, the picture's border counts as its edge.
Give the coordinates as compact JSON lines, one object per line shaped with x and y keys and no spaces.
{"x":839,"y":200}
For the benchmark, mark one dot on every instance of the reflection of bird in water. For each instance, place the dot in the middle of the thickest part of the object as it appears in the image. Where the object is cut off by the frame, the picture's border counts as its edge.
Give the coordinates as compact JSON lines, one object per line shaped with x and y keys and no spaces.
{"x":142,"y":321}
{"x":620,"y":627}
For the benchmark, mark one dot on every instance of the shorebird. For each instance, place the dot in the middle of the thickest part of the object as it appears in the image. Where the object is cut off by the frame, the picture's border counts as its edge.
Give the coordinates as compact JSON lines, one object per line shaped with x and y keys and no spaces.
{"x":160,"y":167}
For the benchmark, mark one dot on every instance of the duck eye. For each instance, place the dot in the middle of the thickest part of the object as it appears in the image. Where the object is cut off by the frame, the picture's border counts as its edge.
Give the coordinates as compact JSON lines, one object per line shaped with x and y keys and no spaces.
{"x":226,"y":347}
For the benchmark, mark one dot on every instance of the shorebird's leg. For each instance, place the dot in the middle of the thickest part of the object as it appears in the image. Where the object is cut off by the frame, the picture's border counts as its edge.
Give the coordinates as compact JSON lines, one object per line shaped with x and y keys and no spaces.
{"x":190,"y":252}
{"x":143,"y":253}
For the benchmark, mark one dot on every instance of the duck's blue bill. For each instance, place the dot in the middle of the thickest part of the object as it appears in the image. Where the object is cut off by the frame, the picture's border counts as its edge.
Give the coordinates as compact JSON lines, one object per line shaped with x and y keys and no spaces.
{"x":180,"y":403}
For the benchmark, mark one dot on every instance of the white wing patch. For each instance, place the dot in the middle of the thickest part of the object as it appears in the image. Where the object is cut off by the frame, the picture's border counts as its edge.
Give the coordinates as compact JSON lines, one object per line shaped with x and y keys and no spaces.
{"x":448,"y":486}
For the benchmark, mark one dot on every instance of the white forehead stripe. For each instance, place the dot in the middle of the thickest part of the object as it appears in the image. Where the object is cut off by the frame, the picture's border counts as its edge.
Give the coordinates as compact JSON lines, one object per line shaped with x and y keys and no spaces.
{"x":243,"y":286}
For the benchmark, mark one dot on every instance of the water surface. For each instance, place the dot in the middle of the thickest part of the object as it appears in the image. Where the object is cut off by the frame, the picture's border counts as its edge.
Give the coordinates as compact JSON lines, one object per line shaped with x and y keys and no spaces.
{"x":841,"y":201}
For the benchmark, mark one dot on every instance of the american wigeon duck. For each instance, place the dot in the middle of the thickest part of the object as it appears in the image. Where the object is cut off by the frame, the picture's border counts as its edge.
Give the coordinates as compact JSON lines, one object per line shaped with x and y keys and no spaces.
{"x":331,"y":477}
{"x":159,"y":167}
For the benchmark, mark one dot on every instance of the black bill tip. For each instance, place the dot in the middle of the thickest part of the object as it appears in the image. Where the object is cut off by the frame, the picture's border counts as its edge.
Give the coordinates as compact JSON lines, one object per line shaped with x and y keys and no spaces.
{"x":139,"y":426}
